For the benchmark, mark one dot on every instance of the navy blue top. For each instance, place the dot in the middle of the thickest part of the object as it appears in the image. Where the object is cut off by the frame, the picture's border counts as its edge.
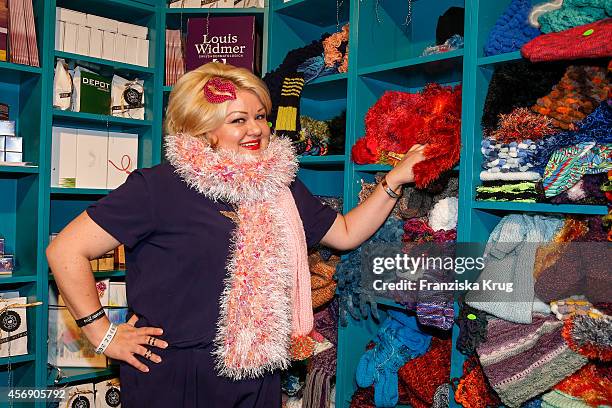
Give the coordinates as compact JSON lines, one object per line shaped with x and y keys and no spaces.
{"x":177,"y":245}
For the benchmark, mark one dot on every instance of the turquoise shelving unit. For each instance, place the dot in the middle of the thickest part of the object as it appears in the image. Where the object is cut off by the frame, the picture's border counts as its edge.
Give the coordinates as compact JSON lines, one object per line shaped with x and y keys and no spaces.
{"x":384,"y":55}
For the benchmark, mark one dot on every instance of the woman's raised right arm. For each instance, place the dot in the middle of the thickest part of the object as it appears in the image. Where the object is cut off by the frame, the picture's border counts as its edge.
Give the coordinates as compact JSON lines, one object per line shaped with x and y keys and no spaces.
{"x":69,"y":255}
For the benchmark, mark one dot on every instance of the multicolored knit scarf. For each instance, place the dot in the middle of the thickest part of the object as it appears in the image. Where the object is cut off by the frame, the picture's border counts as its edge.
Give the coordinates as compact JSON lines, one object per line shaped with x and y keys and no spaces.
{"x":262,"y":313}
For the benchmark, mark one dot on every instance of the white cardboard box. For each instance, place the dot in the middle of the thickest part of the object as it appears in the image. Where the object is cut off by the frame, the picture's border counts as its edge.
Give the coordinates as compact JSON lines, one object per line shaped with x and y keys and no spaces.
{"x":92,"y":156}
{"x":70,"y":16}
{"x":120,"y":48}
{"x":70,"y":37}
{"x":143,"y":52}
{"x":132,"y":30}
{"x":108,"y":45}
{"x":83,"y":40}
{"x":131,"y":50}
{"x":60,"y":27}
{"x":122,"y":157}
{"x":63,"y":156}
{"x":95,"y":43}
{"x":102,"y":23}
{"x":16,"y":323}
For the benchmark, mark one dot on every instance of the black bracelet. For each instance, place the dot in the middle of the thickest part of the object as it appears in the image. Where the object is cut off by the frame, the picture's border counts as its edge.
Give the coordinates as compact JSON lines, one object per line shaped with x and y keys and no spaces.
{"x":91,"y":318}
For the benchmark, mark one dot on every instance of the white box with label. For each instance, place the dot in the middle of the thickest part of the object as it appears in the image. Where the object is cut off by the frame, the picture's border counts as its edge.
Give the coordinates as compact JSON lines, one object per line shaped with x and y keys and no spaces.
{"x":63,"y":156}
{"x":143,"y":52}
{"x":70,"y":37}
{"x":122,"y":157}
{"x":131,"y":50}
{"x":92,"y":156}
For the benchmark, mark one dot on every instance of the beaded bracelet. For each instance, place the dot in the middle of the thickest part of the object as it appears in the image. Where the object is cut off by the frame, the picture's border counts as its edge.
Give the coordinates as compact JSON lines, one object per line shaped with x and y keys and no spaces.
{"x":108,"y":337}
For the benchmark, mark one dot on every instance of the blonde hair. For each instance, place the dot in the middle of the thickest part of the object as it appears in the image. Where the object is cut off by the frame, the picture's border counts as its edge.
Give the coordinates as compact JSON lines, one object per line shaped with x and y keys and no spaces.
{"x":190,"y":112}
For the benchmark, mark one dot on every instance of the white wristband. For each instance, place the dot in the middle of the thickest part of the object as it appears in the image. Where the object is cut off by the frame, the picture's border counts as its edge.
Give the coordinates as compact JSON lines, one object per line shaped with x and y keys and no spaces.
{"x":108,"y":337}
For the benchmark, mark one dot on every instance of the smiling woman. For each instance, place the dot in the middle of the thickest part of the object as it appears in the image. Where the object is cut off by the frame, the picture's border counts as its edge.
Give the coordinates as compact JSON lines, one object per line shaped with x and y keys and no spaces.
{"x":216,"y":252}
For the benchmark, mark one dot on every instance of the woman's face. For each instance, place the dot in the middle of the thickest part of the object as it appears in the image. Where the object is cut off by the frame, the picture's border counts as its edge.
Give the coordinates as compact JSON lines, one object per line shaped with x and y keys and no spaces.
{"x":245,"y":127}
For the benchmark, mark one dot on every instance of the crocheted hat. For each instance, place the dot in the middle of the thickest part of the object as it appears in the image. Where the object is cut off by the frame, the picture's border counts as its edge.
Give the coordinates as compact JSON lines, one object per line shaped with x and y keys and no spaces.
{"x":321,"y":278}
{"x":420,"y":377}
{"x":511,"y":30}
{"x":399,"y":120}
{"x":574,"y":13}
{"x":523,"y":360}
{"x":450,"y":23}
{"x":587,"y":41}
{"x":579,"y":92}
{"x":507,"y":90}
{"x":589,"y":336}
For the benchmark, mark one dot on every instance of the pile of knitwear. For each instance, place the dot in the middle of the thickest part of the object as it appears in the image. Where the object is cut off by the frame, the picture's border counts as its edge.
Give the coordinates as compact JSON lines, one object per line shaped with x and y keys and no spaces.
{"x":549,"y":341}
{"x":556,"y":151}
{"x":321,"y":137}
{"x":573,"y":13}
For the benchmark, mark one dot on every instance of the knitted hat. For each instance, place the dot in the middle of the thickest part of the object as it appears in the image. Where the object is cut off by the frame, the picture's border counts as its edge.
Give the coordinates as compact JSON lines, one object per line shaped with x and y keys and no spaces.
{"x":511,"y":30}
{"x":508,"y":91}
{"x":523,"y":360}
{"x":589,"y":335}
{"x":472,"y":329}
{"x":450,"y":23}
{"x":473,"y":389}
{"x":594,"y":128}
{"x":574,"y":13}
{"x":567,"y":165}
{"x":321,"y":278}
{"x":420,"y":377}
{"x":587,"y":41}
{"x":579,"y":92}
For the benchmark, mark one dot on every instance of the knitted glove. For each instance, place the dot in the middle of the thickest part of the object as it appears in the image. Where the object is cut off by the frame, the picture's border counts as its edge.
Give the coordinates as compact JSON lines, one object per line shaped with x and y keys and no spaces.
{"x":398,"y":341}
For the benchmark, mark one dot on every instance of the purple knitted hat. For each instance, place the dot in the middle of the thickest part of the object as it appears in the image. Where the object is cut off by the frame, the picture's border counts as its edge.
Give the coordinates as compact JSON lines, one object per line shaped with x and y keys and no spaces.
{"x":524,"y":360}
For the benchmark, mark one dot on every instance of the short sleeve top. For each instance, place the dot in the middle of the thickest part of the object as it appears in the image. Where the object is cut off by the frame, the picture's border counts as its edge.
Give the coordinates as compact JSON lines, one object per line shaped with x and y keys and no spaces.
{"x":177,"y":244}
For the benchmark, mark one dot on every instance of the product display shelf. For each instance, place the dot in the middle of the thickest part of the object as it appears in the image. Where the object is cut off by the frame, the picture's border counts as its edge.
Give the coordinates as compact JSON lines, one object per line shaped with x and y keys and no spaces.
{"x":121,"y":68}
{"x":79,"y":375}
{"x":454,"y":56}
{"x":12,"y":279}
{"x":119,"y":273}
{"x":500,"y":59}
{"x":8,"y":171}
{"x":83,"y":117}
{"x":7,"y":68}
{"x":238,"y":11}
{"x":541,"y":207}
{"x":79,"y":191}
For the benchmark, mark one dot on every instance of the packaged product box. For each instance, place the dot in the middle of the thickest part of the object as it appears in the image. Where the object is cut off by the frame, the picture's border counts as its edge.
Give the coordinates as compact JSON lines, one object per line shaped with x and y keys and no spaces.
{"x":92,"y":158}
{"x":120,"y":257}
{"x":83,"y":35}
{"x":106,"y":262}
{"x":78,"y":396}
{"x":13,"y":327}
{"x":91,"y":92}
{"x":7,"y":264}
{"x":63,"y":157}
{"x":230,"y":40}
{"x":108,"y":393}
{"x":122,"y":157}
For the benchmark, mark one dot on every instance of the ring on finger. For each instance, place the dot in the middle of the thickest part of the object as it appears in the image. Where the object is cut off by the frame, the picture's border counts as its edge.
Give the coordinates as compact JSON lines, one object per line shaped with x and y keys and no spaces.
{"x":147,"y":354}
{"x":151,"y":341}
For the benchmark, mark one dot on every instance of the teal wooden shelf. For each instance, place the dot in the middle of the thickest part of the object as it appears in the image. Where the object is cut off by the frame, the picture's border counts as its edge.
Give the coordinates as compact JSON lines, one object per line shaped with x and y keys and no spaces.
{"x":11,"y":279}
{"x":168,"y":88}
{"x":455,"y":55}
{"x":322,"y":160}
{"x":500,"y":59}
{"x":321,"y":13}
{"x":82,"y":117}
{"x":341,"y":76}
{"x":17,"y":359}
{"x":8,"y":171}
{"x":373,"y":167}
{"x":7,"y":67}
{"x":116,"y":66}
{"x":73,"y":374}
{"x":541,"y":207}
{"x":212,"y":11}
{"x":119,"y":273}
{"x":79,"y":191}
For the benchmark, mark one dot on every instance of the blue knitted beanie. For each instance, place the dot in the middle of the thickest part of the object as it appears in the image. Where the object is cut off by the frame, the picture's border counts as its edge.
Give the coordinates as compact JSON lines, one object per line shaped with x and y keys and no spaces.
{"x":512,"y":29}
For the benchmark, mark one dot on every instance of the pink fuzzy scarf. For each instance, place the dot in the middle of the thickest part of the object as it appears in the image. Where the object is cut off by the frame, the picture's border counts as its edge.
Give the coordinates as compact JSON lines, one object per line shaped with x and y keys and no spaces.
{"x":261,"y":311}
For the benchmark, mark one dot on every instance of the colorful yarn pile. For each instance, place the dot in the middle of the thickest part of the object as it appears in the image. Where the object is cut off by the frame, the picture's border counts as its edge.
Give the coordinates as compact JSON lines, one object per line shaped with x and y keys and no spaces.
{"x":336,"y":50}
{"x":574,"y":13}
{"x":315,"y":135}
{"x":399,"y":120}
{"x":589,"y":335}
{"x":508,"y":157}
{"x":453,"y":43}
{"x":579,"y":92}
{"x":511,"y":30}
{"x":473,"y":389}
{"x":586,"y":41}
{"x":592,"y":384}
{"x":417,"y":231}
{"x":321,"y":278}
{"x":524,"y":360}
